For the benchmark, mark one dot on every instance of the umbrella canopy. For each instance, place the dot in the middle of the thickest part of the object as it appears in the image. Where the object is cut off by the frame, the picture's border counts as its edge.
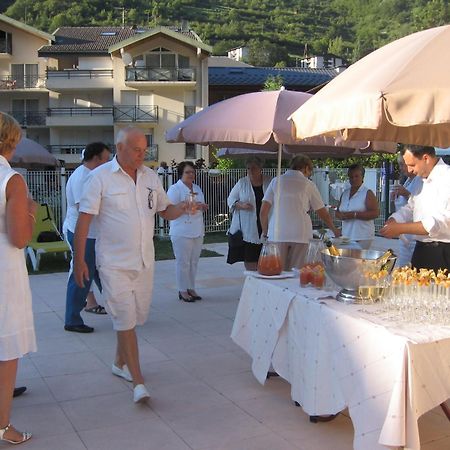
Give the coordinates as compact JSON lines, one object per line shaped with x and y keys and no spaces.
{"x":30,"y":153}
{"x":289,"y":151}
{"x":398,"y":93}
{"x":257,"y":120}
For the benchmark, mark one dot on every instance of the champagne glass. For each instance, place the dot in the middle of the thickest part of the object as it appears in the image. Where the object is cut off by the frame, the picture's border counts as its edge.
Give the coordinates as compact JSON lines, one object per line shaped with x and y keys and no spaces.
{"x":190,"y":206}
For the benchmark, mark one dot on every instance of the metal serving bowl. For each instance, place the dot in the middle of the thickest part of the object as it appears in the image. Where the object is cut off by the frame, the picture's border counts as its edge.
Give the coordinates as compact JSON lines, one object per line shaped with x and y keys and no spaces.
{"x":349,"y":270}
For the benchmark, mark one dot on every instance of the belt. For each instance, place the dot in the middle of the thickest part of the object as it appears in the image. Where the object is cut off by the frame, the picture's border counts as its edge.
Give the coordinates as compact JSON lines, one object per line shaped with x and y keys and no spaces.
{"x":432,"y":244}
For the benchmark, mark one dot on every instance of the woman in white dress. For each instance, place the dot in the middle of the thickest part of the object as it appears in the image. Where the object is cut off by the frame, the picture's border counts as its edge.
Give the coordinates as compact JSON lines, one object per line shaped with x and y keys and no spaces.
{"x":17,"y":217}
{"x":357,"y":209}
{"x":187,"y":232}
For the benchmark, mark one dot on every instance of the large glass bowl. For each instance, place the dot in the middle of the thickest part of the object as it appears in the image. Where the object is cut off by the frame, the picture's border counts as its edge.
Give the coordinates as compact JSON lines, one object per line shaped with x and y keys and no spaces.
{"x":352,"y":270}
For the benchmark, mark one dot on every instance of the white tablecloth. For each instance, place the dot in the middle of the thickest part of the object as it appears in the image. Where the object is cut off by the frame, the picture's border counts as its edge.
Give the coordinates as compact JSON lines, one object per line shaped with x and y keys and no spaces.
{"x":337,"y":356}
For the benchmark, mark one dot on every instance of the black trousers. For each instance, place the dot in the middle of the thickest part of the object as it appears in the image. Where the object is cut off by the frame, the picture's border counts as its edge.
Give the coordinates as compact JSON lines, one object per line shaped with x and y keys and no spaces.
{"x":431,"y":255}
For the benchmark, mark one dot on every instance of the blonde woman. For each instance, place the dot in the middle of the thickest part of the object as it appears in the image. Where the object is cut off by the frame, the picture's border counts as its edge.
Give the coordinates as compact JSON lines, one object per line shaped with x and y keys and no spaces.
{"x":17,"y":217}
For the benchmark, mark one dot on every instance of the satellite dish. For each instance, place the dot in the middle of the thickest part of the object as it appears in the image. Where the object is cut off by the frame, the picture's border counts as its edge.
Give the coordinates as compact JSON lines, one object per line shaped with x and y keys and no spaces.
{"x":127,"y":58}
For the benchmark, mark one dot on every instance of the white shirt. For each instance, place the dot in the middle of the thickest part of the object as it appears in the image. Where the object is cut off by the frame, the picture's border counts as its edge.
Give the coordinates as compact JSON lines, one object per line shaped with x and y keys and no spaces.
{"x":298,"y":195}
{"x":125,"y":214}
{"x":245,"y":219}
{"x":74,"y":190}
{"x":356,"y":229}
{"x":194,"y":227}
{"x":431,"y":205}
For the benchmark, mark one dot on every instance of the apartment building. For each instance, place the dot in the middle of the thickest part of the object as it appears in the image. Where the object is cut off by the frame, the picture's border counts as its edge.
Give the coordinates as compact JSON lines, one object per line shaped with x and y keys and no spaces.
{"x":22,"y":77}
{"x":102,"y":79}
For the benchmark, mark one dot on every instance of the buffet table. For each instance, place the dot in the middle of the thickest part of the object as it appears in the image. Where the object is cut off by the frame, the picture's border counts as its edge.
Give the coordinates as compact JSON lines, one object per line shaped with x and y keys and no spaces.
{"x":338,"y":356}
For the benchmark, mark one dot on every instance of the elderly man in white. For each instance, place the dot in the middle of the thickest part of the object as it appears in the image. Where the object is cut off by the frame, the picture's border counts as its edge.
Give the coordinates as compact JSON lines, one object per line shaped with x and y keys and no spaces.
{"x":124,"y":195}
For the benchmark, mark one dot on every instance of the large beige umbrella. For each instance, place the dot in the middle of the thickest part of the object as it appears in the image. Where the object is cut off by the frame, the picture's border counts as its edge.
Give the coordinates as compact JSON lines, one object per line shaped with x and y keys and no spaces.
{"x":398,"y":93}
{"x":29,"y":153}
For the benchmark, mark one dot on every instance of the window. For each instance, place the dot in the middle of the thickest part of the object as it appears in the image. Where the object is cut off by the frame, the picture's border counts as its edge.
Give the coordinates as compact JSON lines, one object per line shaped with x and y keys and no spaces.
{"x":25,"y":75}
{"x":163,"y":58}
{"x":5,"y":42}
{"x":190,"y":152}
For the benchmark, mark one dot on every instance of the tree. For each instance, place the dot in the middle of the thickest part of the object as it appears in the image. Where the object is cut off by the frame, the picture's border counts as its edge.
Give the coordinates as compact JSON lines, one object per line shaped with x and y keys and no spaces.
{"x":266,"y":54}
{"x":273,"y":83}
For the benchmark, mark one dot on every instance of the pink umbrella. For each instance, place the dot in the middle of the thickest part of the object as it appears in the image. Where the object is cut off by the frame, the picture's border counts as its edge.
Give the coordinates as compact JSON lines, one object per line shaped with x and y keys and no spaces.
{"x":29,"y":153}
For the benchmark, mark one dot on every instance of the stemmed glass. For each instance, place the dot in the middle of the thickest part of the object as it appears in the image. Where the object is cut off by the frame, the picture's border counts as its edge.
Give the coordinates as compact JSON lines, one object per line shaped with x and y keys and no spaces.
{"x":191,"y":206}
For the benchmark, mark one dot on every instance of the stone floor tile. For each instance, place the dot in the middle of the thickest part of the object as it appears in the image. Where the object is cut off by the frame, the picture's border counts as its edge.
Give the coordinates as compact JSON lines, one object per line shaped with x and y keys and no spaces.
{"x":107,"y":410}
{"x":37,"y":392}
{"x":86,"y":384}
{"x":151,"y":434}
{"x":216,"y":426}
{"x":40,"y":441}
{"x":269,"y":441}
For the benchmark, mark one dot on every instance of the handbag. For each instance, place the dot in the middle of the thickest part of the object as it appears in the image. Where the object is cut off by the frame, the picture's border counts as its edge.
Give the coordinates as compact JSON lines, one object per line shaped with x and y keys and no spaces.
{"x":236,"y":239}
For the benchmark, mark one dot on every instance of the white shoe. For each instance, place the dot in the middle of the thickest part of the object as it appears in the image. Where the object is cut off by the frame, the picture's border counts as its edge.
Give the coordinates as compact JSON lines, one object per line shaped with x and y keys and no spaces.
{"x":122,"y":372}
{"x":140,"y":393}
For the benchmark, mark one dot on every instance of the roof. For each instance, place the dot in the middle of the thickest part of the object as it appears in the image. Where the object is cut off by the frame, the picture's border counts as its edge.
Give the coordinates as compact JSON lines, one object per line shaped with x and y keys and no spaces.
{"x":100,"y":40}
{"x":189,"y":37}
{"x":245,"y":76}
{"x":27,"y":28}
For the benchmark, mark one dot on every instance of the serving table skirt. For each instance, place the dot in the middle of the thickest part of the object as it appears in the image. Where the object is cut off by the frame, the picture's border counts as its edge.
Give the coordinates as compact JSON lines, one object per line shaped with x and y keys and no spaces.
{"x":336,"y":355}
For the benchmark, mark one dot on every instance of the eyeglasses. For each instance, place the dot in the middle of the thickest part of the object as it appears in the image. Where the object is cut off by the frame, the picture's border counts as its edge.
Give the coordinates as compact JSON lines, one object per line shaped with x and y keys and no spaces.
{"x":187,"y":172}
{"x":150,"y":198}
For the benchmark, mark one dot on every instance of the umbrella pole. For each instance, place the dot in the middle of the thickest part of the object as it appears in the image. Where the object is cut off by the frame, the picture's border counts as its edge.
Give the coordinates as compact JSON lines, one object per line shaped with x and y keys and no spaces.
{"x":277,"y":194}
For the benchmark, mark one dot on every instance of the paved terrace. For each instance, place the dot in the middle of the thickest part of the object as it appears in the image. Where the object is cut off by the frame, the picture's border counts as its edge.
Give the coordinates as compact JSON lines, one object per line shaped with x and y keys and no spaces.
{"x":204,"y":395}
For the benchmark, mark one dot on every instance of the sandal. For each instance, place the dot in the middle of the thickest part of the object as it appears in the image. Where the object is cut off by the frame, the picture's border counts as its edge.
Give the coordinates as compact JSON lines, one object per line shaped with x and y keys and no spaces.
{"x":25,"y":436}
{"x":96,"y":310}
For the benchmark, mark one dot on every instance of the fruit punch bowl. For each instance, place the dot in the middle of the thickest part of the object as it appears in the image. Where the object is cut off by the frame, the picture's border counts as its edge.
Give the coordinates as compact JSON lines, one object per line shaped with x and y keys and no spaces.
{"x":356,"y":272}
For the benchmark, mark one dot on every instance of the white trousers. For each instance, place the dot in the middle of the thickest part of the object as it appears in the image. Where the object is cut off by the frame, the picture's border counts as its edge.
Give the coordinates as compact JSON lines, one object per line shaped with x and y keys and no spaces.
{"x":187,"y":253}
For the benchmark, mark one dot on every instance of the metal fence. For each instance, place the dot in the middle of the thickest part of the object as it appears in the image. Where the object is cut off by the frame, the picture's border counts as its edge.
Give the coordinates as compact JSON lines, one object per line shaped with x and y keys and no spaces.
{"x":49,"y":187}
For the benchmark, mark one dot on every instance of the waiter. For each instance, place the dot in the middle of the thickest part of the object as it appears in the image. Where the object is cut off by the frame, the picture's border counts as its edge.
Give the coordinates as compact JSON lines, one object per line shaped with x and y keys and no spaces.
{"x":427,"y":214}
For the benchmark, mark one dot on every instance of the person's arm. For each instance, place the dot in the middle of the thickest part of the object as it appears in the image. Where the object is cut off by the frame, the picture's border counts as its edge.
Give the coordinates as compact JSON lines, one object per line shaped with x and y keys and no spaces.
{"x":326,"y":218}
{"x":172,"y":212}
{"x":392,"y":228}
{"x":80,"y":268}
{"x":264,"y":216}
{"x":20,"y":212}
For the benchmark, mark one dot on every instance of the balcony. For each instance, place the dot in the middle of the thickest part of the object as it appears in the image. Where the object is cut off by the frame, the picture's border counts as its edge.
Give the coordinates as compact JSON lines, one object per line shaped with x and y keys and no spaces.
{"x":151,"y":76}
{"x":143,"y":113}
{"x":10,"y":83}
{"x":75,"y":79}
{"x":30,"y":118}
{"x":5,"y":45}
{"x":81,"y":117}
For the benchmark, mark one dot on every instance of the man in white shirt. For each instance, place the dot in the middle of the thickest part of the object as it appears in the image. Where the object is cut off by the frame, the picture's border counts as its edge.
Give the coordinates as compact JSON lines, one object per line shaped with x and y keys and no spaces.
{"x":94,"y":155}
{"x":298,"y":195}
{"x":427,"y":214}
{"x":124,"y":196}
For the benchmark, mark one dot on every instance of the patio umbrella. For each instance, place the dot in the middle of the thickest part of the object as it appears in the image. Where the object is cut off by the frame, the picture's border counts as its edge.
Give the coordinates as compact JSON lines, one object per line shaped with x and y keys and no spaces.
{"x":29,"y":153}
{"x":398,"y":93}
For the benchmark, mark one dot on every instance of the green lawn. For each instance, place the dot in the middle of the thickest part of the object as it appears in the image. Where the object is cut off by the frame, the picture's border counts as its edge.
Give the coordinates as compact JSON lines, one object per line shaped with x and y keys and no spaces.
{"x":51,"y":263}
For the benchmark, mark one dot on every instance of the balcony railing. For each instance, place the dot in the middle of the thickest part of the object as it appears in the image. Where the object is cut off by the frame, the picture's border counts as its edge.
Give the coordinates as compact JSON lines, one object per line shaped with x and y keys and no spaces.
{"x":29,"y":118}
{"x":152,"y":153}
{"x":68,"y":149}
{"x":136,"y":113}
{"x":159,"y":74}
{"x":72,"y":149}
{"x":79,"y":111}
{"x":25,"y":82}
{"x":76,"y":73}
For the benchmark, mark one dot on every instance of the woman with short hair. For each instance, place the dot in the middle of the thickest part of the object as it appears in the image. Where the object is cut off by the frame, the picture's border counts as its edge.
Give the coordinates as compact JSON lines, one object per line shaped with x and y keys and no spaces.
{"x":187,"y":232}
{"x":244,"y":203}
{"x":17,"y":218}
{"x":358,"y":207}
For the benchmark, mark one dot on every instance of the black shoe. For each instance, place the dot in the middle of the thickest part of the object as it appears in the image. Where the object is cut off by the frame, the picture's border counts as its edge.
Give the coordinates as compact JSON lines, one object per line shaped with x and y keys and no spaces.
{"x":79,"y":328}
{"x":19,"y":391}
{"x":188,"y":299}
{"x":195,"y":297}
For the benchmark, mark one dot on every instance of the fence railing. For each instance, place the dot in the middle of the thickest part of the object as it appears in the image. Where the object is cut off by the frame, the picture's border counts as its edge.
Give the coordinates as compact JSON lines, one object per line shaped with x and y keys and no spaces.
{"x":80,"y":111}
{"x":45,"y":187}
{"x":30,"y":118}
{"x":142,"y":113}
{"x":80,"y":73}
{"x":23,"y":82}
{"x":159,"y":74}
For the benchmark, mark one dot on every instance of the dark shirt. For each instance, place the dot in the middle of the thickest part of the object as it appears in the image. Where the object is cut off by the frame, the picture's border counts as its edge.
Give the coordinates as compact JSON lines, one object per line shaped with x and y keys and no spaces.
{"x":259,"y":194}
